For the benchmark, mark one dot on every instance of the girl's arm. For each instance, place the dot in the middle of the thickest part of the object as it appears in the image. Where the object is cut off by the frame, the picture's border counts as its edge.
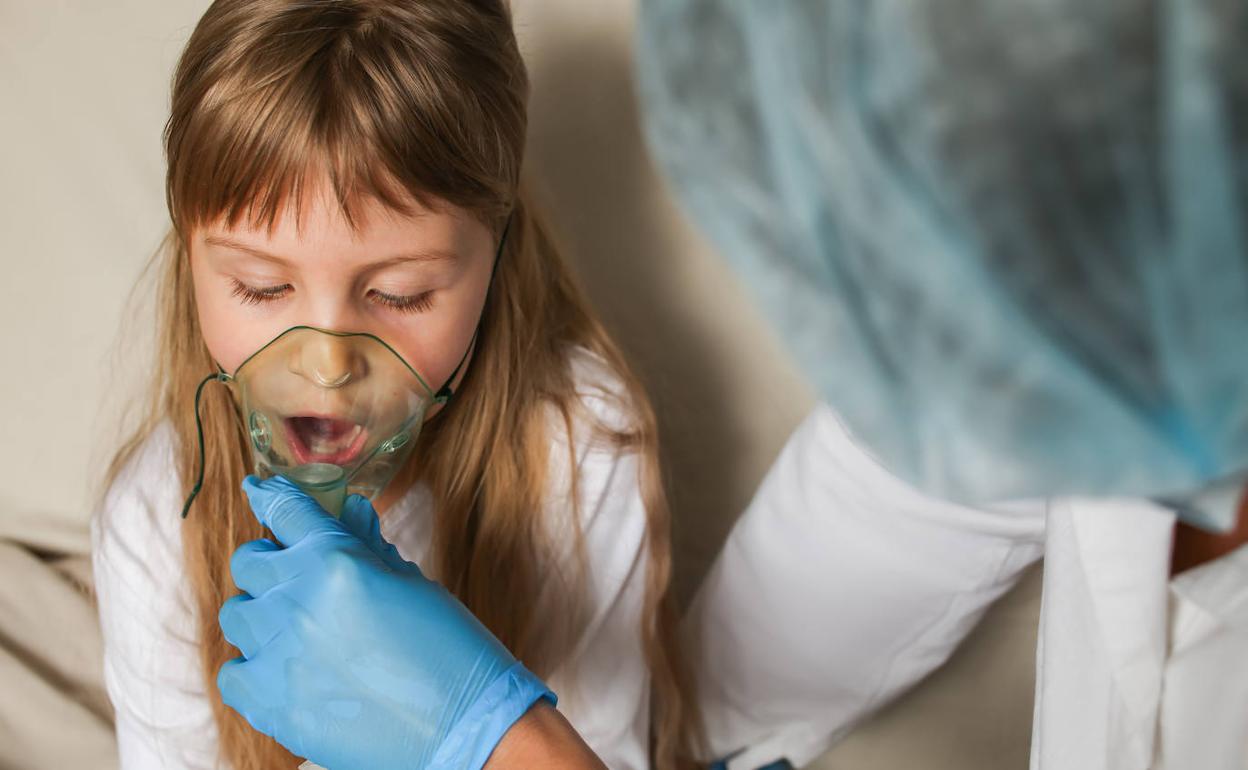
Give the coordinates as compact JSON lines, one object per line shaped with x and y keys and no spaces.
{"x":604,"y":682}
{"x":151,"y":653}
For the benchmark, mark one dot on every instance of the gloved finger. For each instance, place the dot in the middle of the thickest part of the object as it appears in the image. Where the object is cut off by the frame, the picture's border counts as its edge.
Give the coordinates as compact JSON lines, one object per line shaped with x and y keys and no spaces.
{"x":359,"y":516}
{"x":250,"y":624}
{"x":238,"y":684}
{"x":292,"y":515}
{"x":254,"y":566}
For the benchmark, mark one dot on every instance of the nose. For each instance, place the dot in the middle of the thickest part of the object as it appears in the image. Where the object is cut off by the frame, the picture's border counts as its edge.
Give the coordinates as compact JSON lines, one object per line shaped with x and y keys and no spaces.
{"x":330,"y":361}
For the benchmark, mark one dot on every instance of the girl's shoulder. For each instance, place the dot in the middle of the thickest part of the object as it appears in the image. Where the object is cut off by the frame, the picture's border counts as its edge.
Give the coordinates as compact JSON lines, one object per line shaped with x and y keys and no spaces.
{"x":603,"y":403}
{"x":142,"y":500}
{"x":595,"y":459}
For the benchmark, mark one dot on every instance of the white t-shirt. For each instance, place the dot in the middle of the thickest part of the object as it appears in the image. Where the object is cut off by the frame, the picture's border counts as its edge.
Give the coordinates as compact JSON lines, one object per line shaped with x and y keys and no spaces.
{"x":151,"y":655}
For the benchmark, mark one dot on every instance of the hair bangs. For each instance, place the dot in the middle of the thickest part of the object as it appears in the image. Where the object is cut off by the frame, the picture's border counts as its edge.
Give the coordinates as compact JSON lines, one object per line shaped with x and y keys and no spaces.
{"x":344,"y":106}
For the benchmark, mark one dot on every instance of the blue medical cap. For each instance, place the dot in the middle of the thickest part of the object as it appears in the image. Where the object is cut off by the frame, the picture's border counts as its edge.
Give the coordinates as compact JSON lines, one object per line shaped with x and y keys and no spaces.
{"x":1005,"y":240}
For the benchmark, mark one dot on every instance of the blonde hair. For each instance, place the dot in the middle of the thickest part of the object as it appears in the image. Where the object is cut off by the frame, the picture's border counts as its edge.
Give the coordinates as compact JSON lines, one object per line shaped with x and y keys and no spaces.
{"x":395,"y":102}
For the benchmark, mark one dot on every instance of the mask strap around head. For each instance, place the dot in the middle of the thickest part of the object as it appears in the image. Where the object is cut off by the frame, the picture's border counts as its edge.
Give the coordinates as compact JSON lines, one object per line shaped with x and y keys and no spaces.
{"x":445,"y":392}
{"x":220,"y":376}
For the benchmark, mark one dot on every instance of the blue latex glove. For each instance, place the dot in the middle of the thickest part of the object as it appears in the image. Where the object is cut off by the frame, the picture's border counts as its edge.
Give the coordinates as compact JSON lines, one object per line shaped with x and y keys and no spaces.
{"x":352,"y":658}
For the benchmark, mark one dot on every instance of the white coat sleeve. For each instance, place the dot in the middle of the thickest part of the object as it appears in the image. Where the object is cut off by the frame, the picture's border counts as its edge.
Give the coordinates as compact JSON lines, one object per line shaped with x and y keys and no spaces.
{"x":839,"y":588}
{"x":603,"y":685}
{"x":151,"y":658}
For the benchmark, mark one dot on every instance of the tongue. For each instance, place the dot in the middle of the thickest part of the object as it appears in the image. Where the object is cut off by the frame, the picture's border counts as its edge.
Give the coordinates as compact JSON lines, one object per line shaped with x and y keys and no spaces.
{"x":323,"y":435}
{"x":324,"y":428}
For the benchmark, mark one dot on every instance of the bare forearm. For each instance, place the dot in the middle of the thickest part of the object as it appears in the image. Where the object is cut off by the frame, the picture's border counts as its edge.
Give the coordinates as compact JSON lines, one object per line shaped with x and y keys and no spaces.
{"x":543,"y":738}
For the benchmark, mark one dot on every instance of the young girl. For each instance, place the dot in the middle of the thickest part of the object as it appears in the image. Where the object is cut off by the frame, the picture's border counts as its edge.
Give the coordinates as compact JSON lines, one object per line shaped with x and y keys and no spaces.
{"x":354,"y":165}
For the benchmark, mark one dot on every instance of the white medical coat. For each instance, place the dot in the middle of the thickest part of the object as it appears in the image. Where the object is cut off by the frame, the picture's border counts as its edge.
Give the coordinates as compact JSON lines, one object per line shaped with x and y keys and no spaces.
{"x":841,"y":586}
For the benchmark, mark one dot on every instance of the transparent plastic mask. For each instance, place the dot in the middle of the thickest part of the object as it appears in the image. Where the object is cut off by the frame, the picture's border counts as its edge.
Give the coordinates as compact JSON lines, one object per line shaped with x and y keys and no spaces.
{"x":333,"y":412}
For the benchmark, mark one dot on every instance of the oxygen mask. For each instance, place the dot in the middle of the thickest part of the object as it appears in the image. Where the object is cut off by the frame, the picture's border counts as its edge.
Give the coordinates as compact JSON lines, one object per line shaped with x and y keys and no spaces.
{"x":334,"y":412}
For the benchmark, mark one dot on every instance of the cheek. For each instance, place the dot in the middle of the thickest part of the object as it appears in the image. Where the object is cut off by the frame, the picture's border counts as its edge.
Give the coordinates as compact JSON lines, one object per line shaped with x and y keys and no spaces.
{"x":229,"y":335}
{"x":434,"y":342}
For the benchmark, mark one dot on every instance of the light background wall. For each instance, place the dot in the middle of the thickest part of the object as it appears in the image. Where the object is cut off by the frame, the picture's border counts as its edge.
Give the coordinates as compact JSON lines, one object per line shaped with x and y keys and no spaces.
{"x":84,"y":97}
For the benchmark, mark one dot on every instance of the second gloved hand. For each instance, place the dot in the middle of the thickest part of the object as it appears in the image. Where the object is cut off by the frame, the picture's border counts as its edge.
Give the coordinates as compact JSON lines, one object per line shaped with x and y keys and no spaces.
{"x":351,"y":656}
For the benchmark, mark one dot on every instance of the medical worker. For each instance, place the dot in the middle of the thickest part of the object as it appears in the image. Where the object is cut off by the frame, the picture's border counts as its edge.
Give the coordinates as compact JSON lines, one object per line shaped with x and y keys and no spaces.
{"x":1007,"y":241}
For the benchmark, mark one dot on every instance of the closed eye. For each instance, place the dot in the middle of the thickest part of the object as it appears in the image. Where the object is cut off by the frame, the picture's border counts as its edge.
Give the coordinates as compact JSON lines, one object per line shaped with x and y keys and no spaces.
{"x":415,"y":303}
{"x":253,"y":296}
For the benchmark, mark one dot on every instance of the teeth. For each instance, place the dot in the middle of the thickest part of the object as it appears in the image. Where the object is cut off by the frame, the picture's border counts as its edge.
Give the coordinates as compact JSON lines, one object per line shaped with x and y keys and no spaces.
{"x":321,"y":446}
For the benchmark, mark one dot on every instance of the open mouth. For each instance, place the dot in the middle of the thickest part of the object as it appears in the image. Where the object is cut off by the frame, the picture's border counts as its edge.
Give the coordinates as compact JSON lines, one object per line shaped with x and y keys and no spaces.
{"x":318,"y":439}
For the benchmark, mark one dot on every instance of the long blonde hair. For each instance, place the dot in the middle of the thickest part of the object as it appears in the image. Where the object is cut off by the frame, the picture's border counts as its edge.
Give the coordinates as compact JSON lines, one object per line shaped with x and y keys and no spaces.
{"x":397,"y":101}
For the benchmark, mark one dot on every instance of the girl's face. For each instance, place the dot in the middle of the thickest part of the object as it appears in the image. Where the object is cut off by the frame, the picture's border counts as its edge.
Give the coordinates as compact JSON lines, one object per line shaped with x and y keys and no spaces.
{"x":418,"y":282}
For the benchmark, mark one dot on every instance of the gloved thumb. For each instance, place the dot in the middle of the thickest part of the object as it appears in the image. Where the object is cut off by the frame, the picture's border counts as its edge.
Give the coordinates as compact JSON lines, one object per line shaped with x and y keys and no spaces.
{"x":359,"y":516}
{"x":279,"y":504}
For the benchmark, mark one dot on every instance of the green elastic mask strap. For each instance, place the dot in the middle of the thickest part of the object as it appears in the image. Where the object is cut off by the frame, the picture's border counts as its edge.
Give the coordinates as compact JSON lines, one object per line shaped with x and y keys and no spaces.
{"x":220,"y":376}
{"x":445,"y":393}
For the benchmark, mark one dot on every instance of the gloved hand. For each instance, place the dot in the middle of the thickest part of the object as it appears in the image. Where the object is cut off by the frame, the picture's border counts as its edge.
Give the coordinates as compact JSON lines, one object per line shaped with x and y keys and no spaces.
{"x":351,"y":657}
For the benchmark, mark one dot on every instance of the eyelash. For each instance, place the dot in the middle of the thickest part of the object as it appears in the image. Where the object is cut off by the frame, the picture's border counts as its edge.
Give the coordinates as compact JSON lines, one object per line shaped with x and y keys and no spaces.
{"x":251,"y":296}
{"x":417,"y":303}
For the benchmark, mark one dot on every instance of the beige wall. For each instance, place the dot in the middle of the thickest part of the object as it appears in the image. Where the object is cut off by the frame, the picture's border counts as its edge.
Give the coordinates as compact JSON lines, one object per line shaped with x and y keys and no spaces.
{"x":726,"y":393}
{"x":81,"y":207}
{"x":84,"y":102}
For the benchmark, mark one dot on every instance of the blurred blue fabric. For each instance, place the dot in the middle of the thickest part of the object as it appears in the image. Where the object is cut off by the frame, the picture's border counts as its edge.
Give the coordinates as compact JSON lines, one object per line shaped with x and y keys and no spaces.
{"x":1005,"y":240}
